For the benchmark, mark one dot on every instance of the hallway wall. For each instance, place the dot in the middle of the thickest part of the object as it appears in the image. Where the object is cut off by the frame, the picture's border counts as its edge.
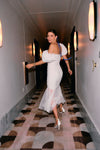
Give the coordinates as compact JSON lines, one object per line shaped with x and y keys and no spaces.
{"x":88,"y":81}
{"x":17,"y":39}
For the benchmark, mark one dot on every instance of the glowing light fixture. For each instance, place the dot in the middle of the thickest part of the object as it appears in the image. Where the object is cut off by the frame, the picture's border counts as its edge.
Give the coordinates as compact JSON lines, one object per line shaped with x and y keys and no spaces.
{"x":40,"y":53}
{"x":0,"y":34}
{"x":68,"y":48}
{"x":33,"y":49}
{"x":75,"y":40}
{"x":92,"y":20}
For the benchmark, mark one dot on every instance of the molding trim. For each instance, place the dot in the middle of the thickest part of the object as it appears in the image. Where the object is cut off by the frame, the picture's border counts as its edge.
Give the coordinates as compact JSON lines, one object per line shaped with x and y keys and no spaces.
{"x":90,"y":125}
{"x":6,"y":120}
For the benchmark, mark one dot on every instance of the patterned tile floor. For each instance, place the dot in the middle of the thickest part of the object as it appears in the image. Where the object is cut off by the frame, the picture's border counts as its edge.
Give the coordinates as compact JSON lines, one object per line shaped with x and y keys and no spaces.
{"x":34,"y":129}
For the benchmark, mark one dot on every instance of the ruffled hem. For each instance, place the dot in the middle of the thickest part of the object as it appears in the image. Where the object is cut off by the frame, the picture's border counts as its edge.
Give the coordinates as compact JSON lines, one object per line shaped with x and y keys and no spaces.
{"x":51,"y":98}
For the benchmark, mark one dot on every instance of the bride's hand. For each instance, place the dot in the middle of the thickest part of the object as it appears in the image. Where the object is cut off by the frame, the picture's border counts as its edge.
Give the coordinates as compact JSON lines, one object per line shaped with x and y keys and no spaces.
{"x":28,"y":66}
{"x":70,"y":71}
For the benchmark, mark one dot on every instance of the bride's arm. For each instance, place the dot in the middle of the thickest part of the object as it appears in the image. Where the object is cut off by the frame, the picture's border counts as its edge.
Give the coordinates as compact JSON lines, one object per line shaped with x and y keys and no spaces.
{"x":67,"y":63}
{"x":35,"y":64}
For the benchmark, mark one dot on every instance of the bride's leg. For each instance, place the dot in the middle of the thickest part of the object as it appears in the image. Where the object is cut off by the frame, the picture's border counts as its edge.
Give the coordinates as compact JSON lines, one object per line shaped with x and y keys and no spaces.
{"x":61,"y":107}
{"x":62,"y":110}
{"x":55,"y":112}
{"x":54,"y":106}
{"x":58,"y":123}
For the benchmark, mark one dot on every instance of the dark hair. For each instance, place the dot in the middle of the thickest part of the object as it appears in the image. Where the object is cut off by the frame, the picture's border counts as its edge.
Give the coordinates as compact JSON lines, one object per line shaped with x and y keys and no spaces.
{"x":53,"y":31}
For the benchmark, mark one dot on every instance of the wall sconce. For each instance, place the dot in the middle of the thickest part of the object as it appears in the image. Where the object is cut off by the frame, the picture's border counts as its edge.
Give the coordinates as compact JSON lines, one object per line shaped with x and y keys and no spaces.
{"x":0,"y":34}
{"x":68,"y":48}
{"x":40,"y":53}
{"x":33,"y":49}
{"x":76,"y":41}
{"x":92,"y":17}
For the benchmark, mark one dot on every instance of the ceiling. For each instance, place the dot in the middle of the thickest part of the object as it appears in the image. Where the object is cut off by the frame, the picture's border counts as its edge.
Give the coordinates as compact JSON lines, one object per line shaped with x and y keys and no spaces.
{"x":42,"y":15}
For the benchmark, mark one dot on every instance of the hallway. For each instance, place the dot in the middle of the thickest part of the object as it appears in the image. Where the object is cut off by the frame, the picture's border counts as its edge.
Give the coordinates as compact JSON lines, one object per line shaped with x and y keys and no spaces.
{"x":33,"y":129}
{"x":23,"y":39}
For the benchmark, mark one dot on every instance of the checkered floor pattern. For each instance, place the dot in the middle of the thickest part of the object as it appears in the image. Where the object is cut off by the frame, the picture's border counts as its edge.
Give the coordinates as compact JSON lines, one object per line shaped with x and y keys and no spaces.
{"x":34,"y":129}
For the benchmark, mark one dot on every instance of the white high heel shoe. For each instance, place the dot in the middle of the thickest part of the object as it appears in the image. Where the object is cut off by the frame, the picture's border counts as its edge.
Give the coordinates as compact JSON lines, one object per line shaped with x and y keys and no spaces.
{"x":58,"y":124}
{"x":63,"y":110}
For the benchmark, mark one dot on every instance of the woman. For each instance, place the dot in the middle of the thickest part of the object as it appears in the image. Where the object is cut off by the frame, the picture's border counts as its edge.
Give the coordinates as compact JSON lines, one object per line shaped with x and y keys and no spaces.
{"x":53,"y":95}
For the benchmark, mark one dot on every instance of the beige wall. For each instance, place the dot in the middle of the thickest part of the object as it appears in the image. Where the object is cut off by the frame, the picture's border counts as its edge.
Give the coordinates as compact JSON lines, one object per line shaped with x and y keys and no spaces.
{"x":88,"y":81}
{"x":17,"y":37}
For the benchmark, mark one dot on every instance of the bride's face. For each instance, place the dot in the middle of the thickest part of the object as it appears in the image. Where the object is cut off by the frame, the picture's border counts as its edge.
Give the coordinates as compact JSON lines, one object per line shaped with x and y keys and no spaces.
{"x":51,"y":37}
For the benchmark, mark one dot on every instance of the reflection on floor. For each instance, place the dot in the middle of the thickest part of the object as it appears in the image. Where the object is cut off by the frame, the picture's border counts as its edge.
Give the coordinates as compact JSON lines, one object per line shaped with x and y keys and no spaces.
{"x":34,"y":129}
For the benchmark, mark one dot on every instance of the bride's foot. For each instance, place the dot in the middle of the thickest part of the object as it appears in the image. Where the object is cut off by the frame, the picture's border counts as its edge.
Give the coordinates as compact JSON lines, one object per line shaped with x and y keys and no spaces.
{"x":58,"y":124}
{"x":62,"y":110}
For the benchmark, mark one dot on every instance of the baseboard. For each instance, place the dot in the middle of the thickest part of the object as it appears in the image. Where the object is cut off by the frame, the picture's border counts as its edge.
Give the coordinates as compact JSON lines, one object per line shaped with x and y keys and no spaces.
{"x":6,"y":120}
{"x":90,"y":125}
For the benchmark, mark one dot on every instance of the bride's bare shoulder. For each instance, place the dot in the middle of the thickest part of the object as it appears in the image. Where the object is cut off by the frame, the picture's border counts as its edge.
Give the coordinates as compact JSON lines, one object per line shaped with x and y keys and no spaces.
{"x":51,"y":48}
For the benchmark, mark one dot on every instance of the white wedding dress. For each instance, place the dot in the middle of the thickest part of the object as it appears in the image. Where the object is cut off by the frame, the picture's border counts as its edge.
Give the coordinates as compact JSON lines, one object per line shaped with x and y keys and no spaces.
{"x":53,"y":94}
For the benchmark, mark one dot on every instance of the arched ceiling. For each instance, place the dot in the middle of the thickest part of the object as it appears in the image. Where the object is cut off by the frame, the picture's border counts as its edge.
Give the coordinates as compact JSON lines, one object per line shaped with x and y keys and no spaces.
{"x":42,"y":15}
